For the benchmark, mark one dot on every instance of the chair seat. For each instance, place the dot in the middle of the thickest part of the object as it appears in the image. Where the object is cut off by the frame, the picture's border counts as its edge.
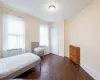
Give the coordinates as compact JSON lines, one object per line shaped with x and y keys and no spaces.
{"x":39,"y":49}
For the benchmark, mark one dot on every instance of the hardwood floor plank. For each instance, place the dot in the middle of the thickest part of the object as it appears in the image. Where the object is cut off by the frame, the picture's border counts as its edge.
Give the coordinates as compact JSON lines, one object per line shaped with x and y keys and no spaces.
{"x":56,"y":68}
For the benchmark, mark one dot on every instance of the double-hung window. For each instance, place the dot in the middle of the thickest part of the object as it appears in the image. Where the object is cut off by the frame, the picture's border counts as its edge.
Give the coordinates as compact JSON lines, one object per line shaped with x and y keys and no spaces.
{"x":13,"y":32}
{"x":43,"y":35}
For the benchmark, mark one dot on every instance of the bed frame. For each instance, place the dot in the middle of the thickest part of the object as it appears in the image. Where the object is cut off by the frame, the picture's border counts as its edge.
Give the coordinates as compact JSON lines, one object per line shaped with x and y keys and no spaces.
{"x":19,"y":72}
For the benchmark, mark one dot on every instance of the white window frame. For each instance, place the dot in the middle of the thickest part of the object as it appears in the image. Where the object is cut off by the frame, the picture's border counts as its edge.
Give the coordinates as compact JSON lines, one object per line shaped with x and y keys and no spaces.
{"x":10,"y":34}
{"x":48,"y":34}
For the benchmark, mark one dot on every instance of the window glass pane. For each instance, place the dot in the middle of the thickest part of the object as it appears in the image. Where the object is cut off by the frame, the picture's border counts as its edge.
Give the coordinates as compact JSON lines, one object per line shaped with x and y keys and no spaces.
{"x":21,"y":42}
{"x":12,"y":42}
{"x":41,"y":30}
{"x":15,"y":27}
{"x":44,"y":35}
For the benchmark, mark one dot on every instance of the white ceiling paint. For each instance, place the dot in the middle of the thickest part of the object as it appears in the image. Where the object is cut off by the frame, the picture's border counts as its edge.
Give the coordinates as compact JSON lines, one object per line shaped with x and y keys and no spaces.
{"x":39,"y":8}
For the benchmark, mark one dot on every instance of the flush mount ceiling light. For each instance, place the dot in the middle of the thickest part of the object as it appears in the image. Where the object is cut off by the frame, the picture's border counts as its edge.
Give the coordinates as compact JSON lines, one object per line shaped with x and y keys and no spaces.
{"x":52,"y":7}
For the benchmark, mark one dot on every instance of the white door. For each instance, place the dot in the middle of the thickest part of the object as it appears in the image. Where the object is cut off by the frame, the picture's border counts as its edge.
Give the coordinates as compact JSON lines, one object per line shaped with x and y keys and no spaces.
{"x":54,"y":40}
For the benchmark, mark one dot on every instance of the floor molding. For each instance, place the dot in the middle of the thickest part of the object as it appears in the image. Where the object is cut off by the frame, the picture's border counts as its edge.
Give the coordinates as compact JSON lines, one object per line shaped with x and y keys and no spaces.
{"x":58,"y":55}
{"x":90,"y":71}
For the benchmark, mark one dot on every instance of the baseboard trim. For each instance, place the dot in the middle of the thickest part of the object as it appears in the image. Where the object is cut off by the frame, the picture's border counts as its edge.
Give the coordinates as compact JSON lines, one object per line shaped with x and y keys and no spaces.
{"x":90,"y":71}
{"x":57,"y":55}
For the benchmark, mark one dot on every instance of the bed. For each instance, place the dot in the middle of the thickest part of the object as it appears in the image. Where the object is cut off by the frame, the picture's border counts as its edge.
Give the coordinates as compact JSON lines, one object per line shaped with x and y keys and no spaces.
{"x":12,"y":67}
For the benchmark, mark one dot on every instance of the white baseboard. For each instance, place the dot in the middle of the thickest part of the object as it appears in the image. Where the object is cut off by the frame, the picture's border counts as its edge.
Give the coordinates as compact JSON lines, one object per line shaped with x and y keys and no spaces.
{"x":58,"y":55}
{"x":90,"y":71}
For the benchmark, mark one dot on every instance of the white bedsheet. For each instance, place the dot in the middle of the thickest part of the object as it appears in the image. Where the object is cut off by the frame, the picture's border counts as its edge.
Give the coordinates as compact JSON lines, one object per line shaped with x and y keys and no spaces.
{"x":12,"y":64}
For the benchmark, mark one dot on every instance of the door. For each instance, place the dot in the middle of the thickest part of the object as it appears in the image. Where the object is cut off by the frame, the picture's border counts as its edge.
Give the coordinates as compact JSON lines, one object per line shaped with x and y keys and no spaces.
{"x":54,"y":40}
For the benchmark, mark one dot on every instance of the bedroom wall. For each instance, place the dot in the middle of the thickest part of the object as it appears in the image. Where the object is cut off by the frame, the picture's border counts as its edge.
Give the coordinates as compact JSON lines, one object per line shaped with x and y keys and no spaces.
{"x":83,"y":30}
{"x":32,"y":24}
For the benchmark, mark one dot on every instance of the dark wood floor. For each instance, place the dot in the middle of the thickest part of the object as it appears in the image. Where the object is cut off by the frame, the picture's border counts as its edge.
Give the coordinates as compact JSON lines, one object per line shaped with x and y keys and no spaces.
{"x":56,"y":68}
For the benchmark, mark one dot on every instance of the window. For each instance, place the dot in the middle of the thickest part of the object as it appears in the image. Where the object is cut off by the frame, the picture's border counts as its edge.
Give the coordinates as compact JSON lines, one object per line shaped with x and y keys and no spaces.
{"x":13,"y":32}
{"x":43,"y":30}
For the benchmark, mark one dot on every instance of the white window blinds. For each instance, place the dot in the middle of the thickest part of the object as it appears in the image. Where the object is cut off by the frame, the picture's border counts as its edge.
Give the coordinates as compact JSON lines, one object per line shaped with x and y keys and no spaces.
{"x":13,"y":32}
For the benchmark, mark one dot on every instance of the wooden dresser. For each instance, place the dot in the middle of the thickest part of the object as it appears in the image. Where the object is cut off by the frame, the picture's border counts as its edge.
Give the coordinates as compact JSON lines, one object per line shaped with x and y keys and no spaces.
{"x":75,"y":54}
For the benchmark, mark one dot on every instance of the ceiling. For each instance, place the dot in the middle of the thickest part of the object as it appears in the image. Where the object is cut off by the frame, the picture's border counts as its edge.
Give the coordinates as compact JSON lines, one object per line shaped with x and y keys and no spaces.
{"x":39,"y":8}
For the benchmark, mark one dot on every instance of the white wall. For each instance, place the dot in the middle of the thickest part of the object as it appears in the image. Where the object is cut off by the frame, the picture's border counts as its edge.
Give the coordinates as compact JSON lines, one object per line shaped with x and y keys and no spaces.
{"x":83,"y":30}
{"x":60,"y":26}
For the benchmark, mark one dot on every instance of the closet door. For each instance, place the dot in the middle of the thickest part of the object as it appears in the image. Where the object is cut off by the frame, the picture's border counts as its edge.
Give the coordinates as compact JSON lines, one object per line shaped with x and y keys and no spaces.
{"x":54,"y":40}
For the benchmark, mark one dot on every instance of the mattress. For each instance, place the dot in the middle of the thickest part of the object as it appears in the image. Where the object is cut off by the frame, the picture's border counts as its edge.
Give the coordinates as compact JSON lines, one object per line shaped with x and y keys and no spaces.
{"x":14,"y":63}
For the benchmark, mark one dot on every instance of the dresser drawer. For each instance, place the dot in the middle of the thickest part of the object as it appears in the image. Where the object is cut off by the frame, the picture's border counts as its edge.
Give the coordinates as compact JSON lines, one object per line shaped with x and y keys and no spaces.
{"x":75,"y":54}
{"x":73,"y":51}
{"x":73,"y":58}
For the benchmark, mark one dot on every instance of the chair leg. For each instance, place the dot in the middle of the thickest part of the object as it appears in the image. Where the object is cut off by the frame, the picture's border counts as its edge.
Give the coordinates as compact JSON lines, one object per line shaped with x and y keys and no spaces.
{"x":43,"y":55}
{"x":40,"y":66}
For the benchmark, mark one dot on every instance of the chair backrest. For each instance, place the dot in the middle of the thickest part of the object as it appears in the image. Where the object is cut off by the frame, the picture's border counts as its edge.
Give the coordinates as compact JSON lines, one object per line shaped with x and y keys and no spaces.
{"x":34,"y":45}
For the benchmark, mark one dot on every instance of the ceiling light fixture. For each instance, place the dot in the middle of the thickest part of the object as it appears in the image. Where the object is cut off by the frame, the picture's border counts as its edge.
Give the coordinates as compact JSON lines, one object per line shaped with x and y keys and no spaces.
{"x":52,"y":7}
